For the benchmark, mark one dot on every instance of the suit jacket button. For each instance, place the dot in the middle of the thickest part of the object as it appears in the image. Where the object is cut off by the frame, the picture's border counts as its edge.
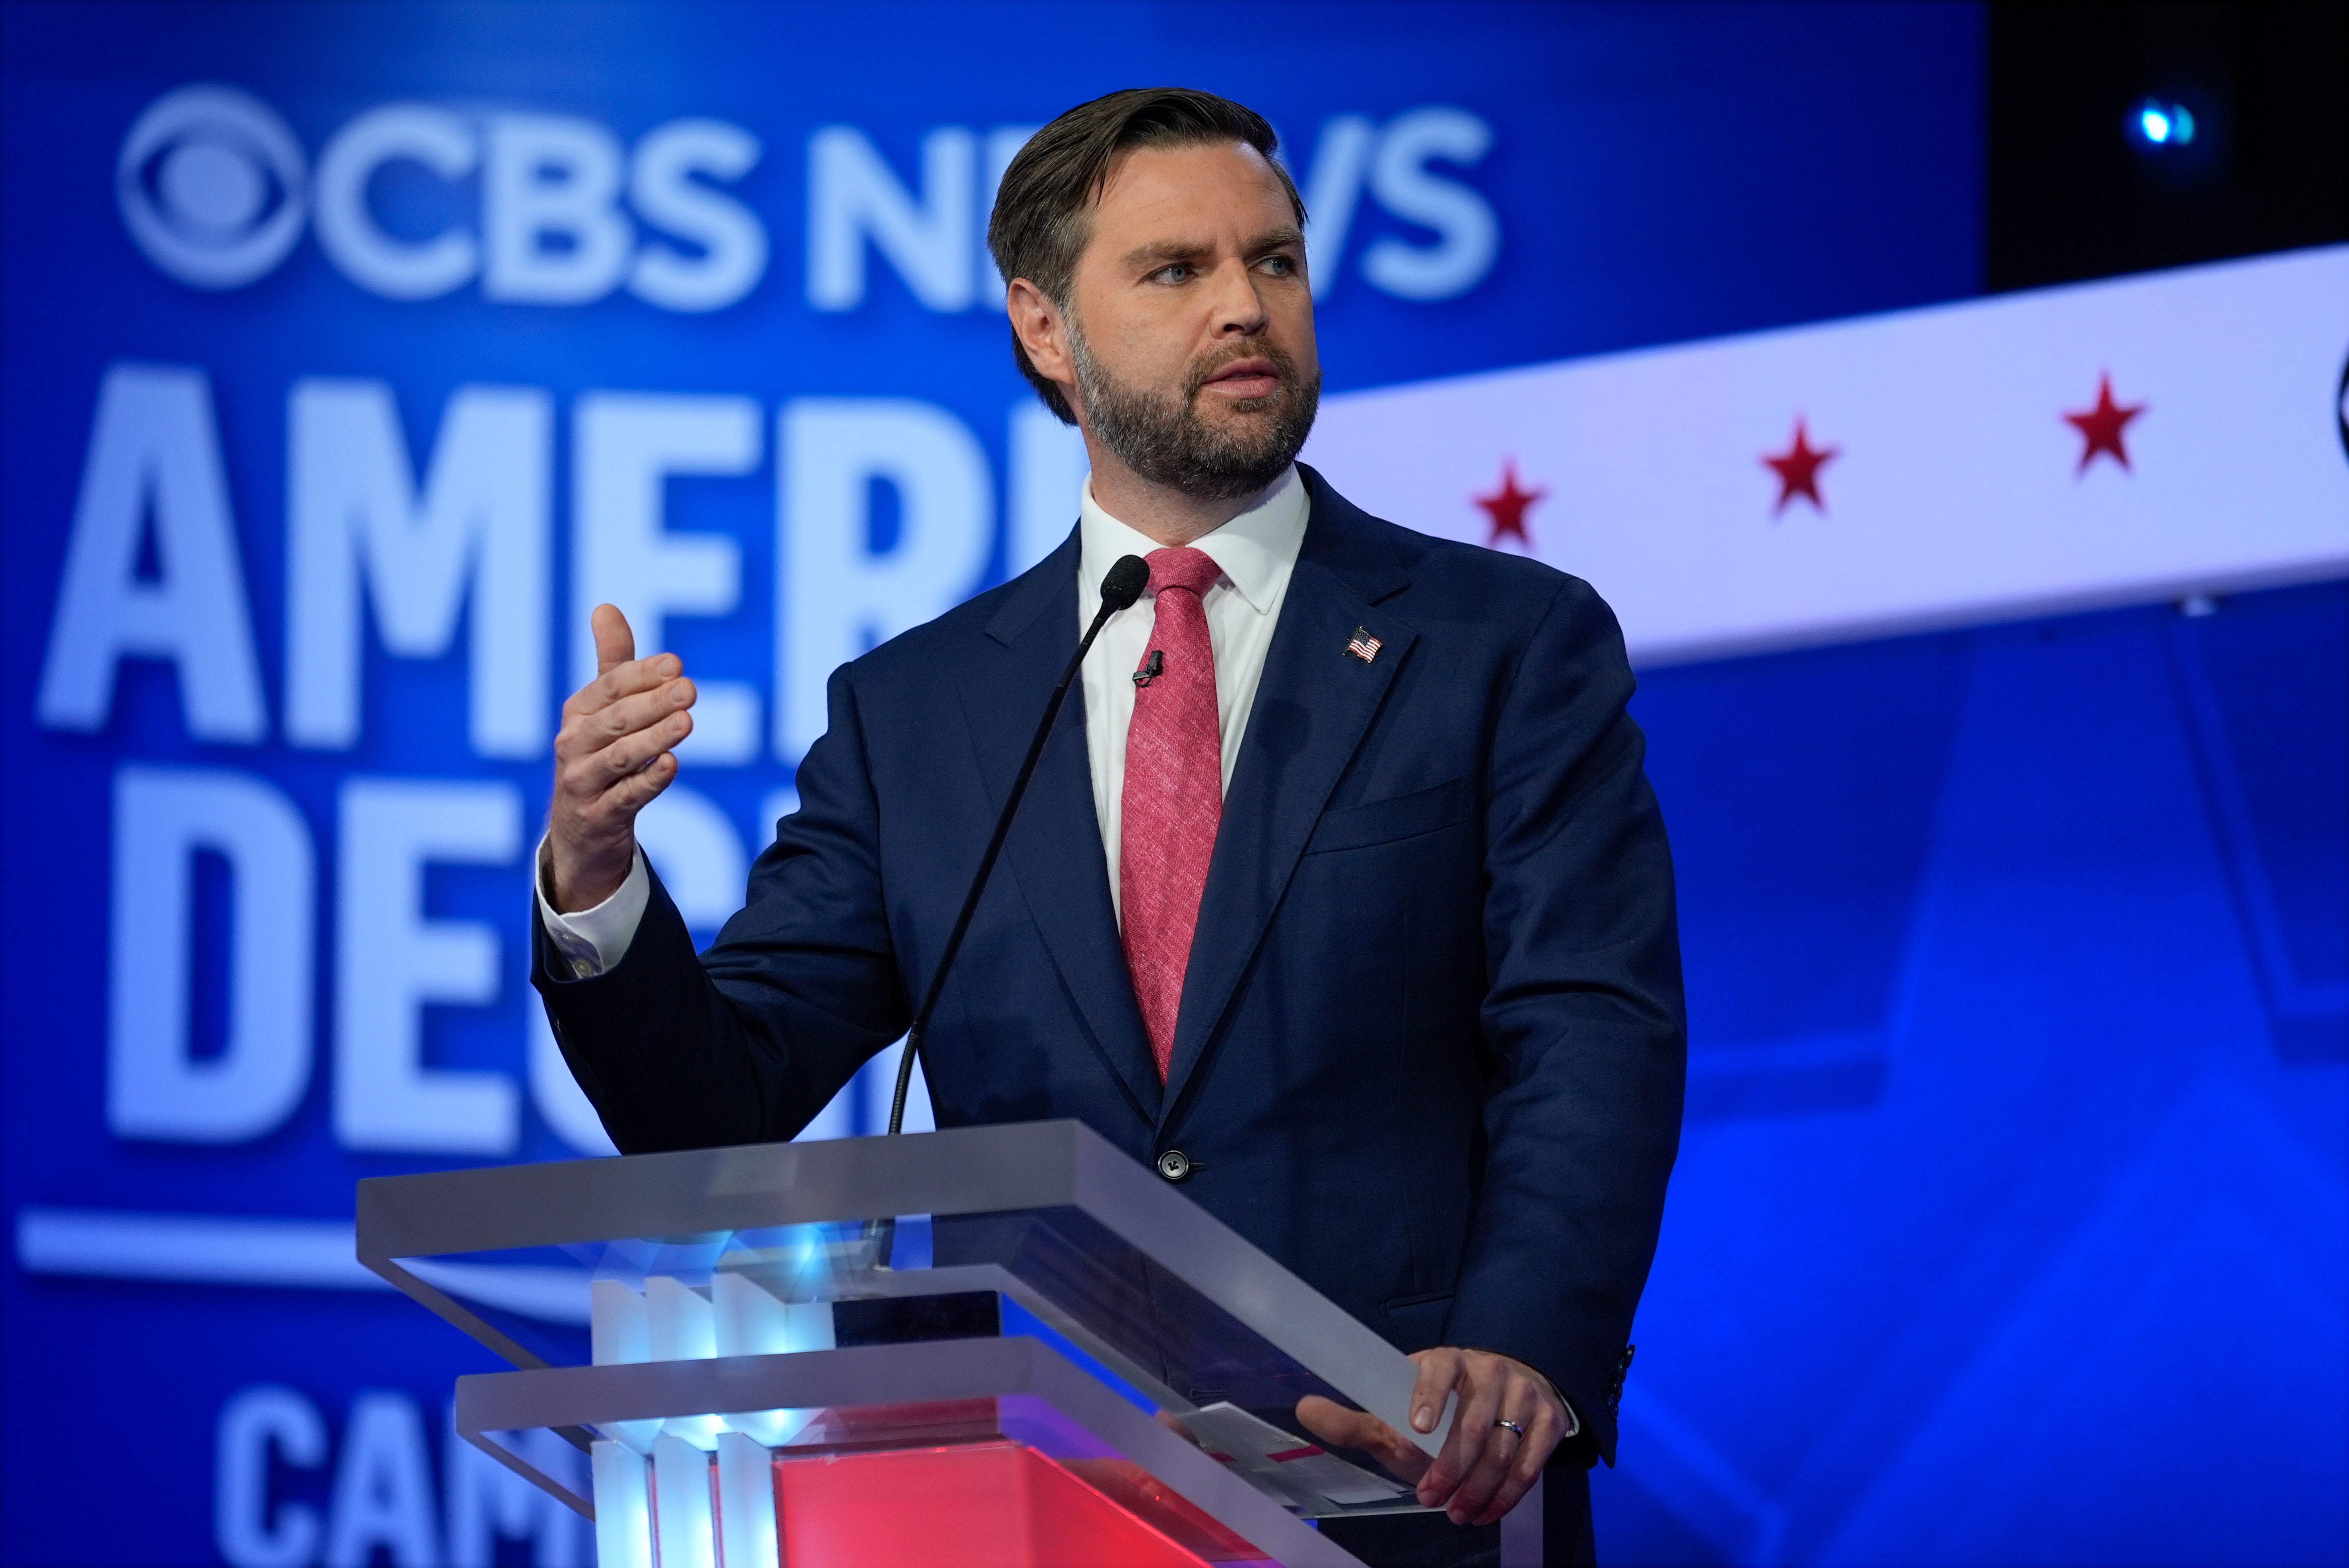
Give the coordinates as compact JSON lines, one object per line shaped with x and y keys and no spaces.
{"x":1175,"y":1165}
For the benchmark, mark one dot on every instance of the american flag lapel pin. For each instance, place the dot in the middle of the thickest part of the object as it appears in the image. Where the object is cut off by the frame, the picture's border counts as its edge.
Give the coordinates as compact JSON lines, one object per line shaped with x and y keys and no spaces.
{"x":1362,"y":645}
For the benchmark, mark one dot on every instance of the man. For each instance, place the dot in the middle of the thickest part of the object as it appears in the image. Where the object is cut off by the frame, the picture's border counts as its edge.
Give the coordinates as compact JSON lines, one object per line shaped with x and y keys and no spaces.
{"x":1344,"y":882}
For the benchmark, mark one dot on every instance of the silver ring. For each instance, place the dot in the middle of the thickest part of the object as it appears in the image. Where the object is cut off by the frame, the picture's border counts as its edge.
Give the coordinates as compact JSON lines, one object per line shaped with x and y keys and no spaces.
{"x":1512,"y":1426}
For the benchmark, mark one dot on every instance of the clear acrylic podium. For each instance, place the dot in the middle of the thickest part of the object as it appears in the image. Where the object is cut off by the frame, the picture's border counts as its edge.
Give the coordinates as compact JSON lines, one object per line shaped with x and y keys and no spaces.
{"x":992,"y":1346}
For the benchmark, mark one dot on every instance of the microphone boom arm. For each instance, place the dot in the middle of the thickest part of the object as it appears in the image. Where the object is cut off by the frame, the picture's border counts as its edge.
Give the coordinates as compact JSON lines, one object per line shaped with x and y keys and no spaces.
{"x":1119,"y":589}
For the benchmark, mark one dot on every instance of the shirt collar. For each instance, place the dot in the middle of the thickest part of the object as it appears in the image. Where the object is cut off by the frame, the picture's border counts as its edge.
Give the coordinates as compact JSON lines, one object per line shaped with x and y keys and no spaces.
{"x":1254,"y":550}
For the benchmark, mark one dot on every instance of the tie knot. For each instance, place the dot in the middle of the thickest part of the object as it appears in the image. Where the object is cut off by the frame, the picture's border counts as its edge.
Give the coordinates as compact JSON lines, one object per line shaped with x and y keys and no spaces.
{"x":1194,"y":570}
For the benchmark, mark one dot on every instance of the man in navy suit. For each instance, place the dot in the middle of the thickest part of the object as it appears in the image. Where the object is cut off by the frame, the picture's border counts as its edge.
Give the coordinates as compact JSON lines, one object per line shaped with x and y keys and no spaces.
{"x":1341,"y":899}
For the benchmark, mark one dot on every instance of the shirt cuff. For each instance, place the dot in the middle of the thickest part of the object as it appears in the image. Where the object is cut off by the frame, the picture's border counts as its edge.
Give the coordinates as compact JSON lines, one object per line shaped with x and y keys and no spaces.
{"x":593,"y":941}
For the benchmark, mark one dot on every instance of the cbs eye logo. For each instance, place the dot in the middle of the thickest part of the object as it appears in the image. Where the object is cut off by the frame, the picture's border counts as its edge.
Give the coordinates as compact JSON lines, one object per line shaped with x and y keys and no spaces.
{"x":212,"y":186}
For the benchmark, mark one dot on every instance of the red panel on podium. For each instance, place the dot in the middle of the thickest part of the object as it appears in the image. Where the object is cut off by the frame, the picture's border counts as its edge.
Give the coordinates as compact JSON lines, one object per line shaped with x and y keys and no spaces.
{"x":979,"y":1505}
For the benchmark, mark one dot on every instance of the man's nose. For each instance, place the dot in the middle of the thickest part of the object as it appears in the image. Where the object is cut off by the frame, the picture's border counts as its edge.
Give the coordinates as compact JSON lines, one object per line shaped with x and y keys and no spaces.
{"x":1239,"y":309}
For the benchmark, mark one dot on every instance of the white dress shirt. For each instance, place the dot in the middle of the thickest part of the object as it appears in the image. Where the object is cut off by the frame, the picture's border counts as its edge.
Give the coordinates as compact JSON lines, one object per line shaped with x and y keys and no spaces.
{"x":1256,"y":550}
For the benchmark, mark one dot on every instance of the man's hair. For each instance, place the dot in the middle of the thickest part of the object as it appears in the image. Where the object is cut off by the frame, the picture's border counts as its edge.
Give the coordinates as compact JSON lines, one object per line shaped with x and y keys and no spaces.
{"x":1042,"y":214}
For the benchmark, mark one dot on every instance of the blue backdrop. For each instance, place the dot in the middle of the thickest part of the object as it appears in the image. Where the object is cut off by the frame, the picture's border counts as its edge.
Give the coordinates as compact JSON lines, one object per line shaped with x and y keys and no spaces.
{"x":2009,"y":1225}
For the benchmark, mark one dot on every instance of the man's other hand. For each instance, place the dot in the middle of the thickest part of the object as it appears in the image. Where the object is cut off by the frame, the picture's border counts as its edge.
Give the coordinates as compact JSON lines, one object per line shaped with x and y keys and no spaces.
{"x":1485,"y":1466}
{"x":612,"y":756}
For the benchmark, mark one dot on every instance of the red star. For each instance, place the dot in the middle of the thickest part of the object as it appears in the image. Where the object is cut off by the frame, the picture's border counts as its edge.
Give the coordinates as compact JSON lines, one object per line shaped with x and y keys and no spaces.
{"x":1798,"y":470}
{"x":2101,"y":427}
{"x":1509,"y":505}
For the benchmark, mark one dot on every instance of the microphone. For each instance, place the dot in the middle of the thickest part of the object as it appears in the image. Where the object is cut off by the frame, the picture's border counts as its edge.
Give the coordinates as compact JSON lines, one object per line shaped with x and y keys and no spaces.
{"x":1119,"y":588}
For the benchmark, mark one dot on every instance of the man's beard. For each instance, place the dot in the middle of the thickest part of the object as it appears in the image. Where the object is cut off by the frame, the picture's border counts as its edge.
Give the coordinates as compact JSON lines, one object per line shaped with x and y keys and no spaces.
{"x":1161,"y":437}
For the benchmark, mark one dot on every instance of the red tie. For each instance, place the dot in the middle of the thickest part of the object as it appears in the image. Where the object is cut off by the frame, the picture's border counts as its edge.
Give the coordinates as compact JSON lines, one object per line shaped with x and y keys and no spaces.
{"x":1174,"y":792}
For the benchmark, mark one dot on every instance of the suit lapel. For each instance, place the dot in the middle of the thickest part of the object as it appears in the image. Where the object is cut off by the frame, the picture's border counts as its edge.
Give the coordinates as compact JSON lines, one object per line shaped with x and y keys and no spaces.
{"x":1055,"y":850}
{"x":1313,"y":706}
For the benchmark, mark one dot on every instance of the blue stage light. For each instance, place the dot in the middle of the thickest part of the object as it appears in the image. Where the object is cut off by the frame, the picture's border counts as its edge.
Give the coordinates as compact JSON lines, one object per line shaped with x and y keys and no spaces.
{"x":2154,"y":124}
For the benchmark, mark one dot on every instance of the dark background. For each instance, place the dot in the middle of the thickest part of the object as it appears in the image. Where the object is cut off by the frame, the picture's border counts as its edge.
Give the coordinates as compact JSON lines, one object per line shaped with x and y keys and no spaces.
{"x":2070,"y":198}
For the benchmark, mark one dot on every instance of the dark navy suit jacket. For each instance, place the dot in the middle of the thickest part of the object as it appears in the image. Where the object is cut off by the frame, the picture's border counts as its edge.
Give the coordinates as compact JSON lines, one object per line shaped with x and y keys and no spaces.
{"x":1431,"y":1048}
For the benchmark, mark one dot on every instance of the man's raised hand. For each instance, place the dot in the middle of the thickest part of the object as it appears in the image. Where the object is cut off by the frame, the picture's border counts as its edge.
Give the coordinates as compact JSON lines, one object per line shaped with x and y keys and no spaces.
{"x":613,"y":755}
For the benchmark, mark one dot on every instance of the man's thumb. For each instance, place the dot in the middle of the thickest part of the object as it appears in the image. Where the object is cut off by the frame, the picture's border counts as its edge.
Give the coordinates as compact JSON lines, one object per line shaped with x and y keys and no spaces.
{"x":615,"y":644}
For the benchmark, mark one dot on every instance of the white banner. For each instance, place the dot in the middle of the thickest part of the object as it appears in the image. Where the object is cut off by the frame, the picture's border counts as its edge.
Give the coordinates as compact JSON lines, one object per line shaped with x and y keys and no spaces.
{"x":2146,"y":438}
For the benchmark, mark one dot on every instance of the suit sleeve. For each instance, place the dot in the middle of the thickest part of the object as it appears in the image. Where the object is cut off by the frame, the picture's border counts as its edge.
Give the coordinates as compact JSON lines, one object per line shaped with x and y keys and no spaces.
{"x":1583,"y":1016}
{"x":747,"y":1042}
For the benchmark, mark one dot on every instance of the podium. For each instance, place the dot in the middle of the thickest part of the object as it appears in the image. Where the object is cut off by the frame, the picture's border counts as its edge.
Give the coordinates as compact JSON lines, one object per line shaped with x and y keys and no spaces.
{"x":1003,"y":1345}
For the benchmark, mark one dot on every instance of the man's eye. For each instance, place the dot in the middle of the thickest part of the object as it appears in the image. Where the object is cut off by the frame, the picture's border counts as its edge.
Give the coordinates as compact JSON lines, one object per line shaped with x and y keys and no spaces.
{"x":1173,"y":272}
{"x":1280,"y":266}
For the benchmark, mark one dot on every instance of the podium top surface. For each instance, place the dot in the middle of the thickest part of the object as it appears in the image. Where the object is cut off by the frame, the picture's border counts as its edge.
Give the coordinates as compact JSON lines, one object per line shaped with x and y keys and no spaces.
{"x":699,"y":1191}
{"x":1061,"y":1224}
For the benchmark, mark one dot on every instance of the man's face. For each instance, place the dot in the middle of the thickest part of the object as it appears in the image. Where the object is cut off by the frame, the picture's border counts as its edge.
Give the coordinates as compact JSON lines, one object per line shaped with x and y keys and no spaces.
{"x":1191,"y":322}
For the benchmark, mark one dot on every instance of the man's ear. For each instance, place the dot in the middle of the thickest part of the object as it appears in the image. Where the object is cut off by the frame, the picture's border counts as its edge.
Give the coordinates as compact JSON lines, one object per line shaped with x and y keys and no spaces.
{"x":1043,"y":334}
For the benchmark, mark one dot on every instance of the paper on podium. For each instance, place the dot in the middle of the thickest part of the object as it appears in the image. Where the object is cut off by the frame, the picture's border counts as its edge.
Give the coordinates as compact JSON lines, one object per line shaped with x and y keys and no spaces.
{"x":1311,"y":1476}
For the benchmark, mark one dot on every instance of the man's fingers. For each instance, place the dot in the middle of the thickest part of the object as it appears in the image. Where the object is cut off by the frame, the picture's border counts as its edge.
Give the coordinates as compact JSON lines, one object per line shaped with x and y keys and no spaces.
{"x":1439,"y":1373}
{"x":611,"y":756}
{"x":1485,"y":1467}
{"x":584,"y":736}
{"x":591,"y":777}
{"x":621,"y":682}
{"x":645,"y":710}
{"x":1517,"y":1404}
{"x":615,"y":644}
{"x":1542,"y":1434}
{"x":1467,"y":1445}
{"x":633,"y":793}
